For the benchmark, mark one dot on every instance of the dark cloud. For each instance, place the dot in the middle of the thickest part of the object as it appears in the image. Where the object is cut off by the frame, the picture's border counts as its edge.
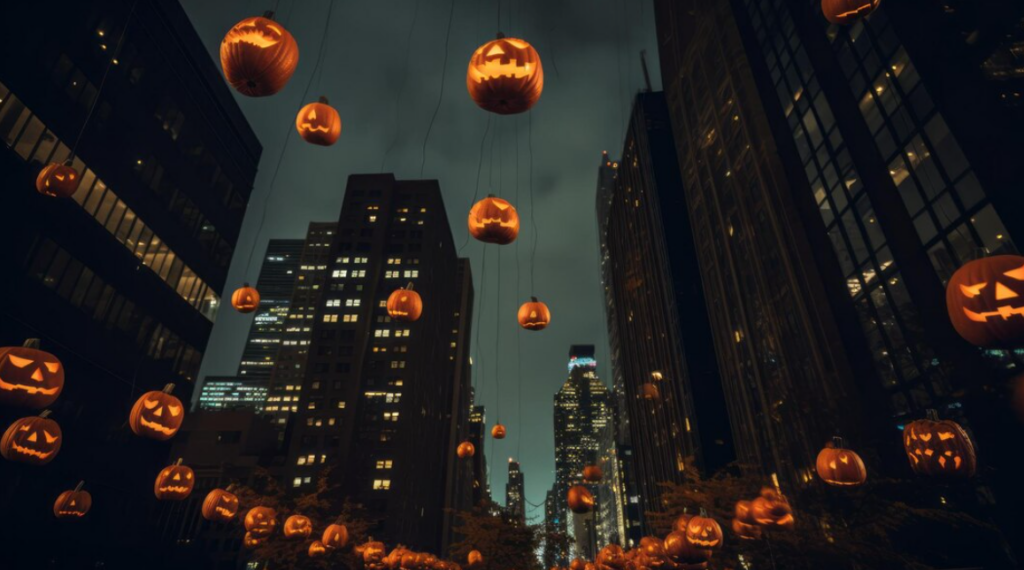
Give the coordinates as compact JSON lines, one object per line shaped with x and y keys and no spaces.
{"x":595,"y":47}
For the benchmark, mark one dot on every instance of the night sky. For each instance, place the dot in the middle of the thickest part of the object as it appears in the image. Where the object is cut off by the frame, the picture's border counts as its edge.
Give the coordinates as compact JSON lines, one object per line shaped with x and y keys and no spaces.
{"x":590,"y":52}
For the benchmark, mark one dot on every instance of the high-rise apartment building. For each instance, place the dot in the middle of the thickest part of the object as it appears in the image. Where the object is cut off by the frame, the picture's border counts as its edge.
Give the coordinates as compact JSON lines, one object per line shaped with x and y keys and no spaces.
{"x":478,"y":437}
{"x":231,"y":393}
{"x":122,"y":281}
{"x":515,"y":493}
{"x":386,"y":402}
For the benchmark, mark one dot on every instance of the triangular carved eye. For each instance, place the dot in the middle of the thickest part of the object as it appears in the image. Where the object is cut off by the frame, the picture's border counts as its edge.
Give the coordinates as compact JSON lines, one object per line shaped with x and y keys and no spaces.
{"x":496,"y":50}
{"x":1017,"y":274}
{"x":49,"y":438}
{"x":312,"y":115}
{"x":19,"y":362}
{"x":972,"y":291}
{"x":1004,"y":292}
{"x":53,"y":367}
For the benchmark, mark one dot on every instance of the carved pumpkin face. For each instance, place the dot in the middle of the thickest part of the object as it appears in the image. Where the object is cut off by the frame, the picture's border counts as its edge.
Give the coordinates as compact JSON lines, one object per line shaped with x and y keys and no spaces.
{"x":58,"y":180}
{"x":319,"y":123}
{"x":220,"y":505}
{"x":683,"y":552}
{"x":840,"y":467}
{"x":493,"y":220}
{"x":298,"y":526}
{"x":29,"y":377}
{"x":72,"y":504}
{"x":34,"y":440}
{"x":465,"y":450}
{"x":335,"y":536}
{"x":250,"y":541}
{"x":611,"y":557}
{"x":985,"y":300}
{"x":772,"y":509}
{"x":258,"y":56}
{"x":534,"y":315}
{"x":373,"y":556}
{"x":653,"y":552}
{"x":394,"y":559}
{"x":498,"y":431}
{"x":157,"y":415}
{"x":475,"y":558}
{"x":261,"y":521}
{"x":577,"y":564}
{"x":593,"y":474}
{"x":174,"y":483}
{"x":405,"y":305}
{"x":847,"y":11}
{"x":245,"y":299}
{"x":317,"y":549}
{"x":704,"y":532}
{"x":580,"y":500}
{"x":505,"y":76}
{"x":939,"y":449}
{"x":744,"y":524}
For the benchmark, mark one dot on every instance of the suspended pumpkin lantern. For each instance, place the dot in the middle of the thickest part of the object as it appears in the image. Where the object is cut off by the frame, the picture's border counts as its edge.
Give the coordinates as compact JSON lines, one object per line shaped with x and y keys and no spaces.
{"x":683,"y":553}
{"x":474,"y":559}
{"x":577,"y":564}
{"x":465,"y":450}
{"x":250,"y":541}
{"x":73,"y":504}
{"x":840,"y":467}
{"x":939,"y":448}
{"x":258,"y":56}
{"x":245,"y":299}
{"x":335,"y":536}
{"x":703,"y":531}
{"x":985,"y":300}
{"x":493,"y":220}
{"x":679,"y":525}
{"x":373,"y":555}
{"x":58,"y":180}
{"x":580,"y":500}
{"x":593,"y":474}
{"x":649,"y":391}
{"x":847,"y":11}
{"x":405,"y":305}
{"x":298,"y":526}
{"x":772,"y":509}
{"x":157,"y":415}
{"x":29,"y":377}
{"x":652,"y":552}
{"x":744,"y":524}
{"x":261,"y":521}
{"x":394,"y":558}
{"x":174,"y":483}
{"x":498,"y":431}
{"x":505,"y":76}
{"x":34,"y":440}
{"x":534,"y":315}
{"x":611,"y":557}
{"x":319,"y":123}
{"x":317,"y":549}
{"x":220,"y":506}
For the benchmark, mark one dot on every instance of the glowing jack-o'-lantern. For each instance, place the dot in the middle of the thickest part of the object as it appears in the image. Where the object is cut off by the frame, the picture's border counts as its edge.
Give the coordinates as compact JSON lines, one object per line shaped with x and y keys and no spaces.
{"x":335,"y":536}
{"x":373,"y":554}
{"x":744,"y":524}
{"x":298,"y":526}
{"x":493,"y":220}
{"x":498,"y":431}
{"x":534,"y":315}
{"x":474,"y":559}
{"x":258,"y":56}
{"x":405,"y":305}
{"x":174,"y":483}
{"x":34,"y":440}
{"x":704,"y":532}
{"x":73,"y":504}
{"x":649,"y":391}
{"x":611,"y":557}
{"x":251,"y":541}
{"x":220,"y":505}
{"x":679,"y":525}
{"x":939,"y":448}
{"x":58,"y":180}
{"x":245,"y":299}
{"x":157,"y":415}
{"x":985,"y":300}
{"x":577,"y":564}
{"x":847,"y":11}
{"x":317,"y":549}
{"x":840,"y":467}
{"x":393,"y":560}
{"x":684,"y":554}
{"x":653,"y":553}
{"x":505,"y":76}
{"x":772,"y":510}
{"x":319,"y":123}
{"x":261,"y":521}
{"x":580,"y":500}
{"x":29,"y":377}
{"x":465,"y":450}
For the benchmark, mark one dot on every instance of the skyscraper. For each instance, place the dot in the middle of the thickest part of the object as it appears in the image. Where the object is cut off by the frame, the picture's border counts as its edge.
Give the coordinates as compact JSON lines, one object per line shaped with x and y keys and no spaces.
{"x":478,"y":437}
{"x":386,"y":402}
{"x":515,"y":498}
{"x":121,"y":282}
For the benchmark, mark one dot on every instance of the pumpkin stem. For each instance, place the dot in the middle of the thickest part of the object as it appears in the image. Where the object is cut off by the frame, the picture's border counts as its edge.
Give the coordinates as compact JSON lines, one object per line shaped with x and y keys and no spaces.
{"x":178,"y":462}
{"x":703,"y":512}
{"x":490,"y":196}
{"x":79,"y":486}
{"x":45,"y":414}
{"x":324,"y":100}
{"x":932,"y":414}
{"x":501,"y":36}
{"x":31,"y":343}
{"x":168,"y":388}
{"x":245,"y":283}
{"x":533,"y":299}
{"x":269,"y":14}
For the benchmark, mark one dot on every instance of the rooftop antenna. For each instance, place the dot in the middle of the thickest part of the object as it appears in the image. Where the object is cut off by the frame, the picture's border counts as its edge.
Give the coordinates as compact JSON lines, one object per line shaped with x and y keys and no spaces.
{"x":647,"y":75}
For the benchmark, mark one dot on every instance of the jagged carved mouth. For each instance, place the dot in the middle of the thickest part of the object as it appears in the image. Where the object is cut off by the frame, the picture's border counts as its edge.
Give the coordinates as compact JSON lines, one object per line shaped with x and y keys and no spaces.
{"x":71,"y":513}
{"x":225,"y":512}
{"x":31,"y":452}
{"x":496,"y":69}
{"x":157,"y":427}
{"x":856,"y":12}
{"x":174,"y":489}
{"x":29,"y":389}
{"x":254,"y":38}
{"x":315,"y":129}
{"x":1005,"y":312}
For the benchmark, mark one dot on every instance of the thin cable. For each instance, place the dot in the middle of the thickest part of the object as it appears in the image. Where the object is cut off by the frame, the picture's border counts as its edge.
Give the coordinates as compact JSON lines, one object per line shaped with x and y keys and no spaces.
{"x":519,"y":330}
{"x":533,"y":218}
{"x":440,"y":96}
{"x":479,"y":316}
{"x":401,"y":88}
{"x":497,"y":337}
{"x":323,"y":46}
{"x":479,"y":169}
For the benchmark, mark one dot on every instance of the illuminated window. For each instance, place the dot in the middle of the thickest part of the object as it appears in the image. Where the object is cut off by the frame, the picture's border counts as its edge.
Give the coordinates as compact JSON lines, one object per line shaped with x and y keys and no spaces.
{"x":351,"y":318}
{"x":381,"y":484}
{"x":383,"y":464}
{"x":330,"y":318}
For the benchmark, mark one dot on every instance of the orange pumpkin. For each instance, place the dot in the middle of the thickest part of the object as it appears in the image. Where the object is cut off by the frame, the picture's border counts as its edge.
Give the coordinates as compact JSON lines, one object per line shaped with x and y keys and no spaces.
{"x":704,"y":532}
{"x":611,"y":557}
{"x":593,"y":474}
{"x":58,"y":180}
{"x":318,"y":123}
{"x":335,"y":536}
{"x":251,"y":541}
{"x":580,"y":500}
{"x":649,"y":391}
{"x":534,"y":315}
{"x":684,"y":554}
{"x":493,"y":220}
{"x":840,"y":467}
{"x":577,"y":564}
{"x":29,"y":377}
{"x":474,"y":559}
{"x":373,"y":555}
{"x":405,"y":305}
{"x":505,"y":76}
{"x":261,"y":521}
{"x":157,"y":415}
{"x":245,"y":299}
{"x":317,"y":549}
{"x":220,"y":506}
{"x":465,"y":450}
{"x":744,"y":524}
{"x":174,"y":483}
{"x":939,"y":448}
{"x":73,"y":504}
{"x":847,"y":11}
{"x":258,"y":56}
{"x":985,"y":301}
{"x":498,"y":431}
{"x":679,"y":525}
{"x":34,"y":440}
{"x":298,"y":526}
{"x":772,"y":510}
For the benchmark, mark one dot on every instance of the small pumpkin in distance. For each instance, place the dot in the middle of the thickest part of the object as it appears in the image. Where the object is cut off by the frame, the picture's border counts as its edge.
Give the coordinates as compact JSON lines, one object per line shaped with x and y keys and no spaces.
{"x":245,"y":299}
{"x":577,"y":564}
{"x":744,"y":524}
{"x":772,"y":509}
{"x":840,"y":467}
{"x":493,"y":220}
{"x":505,"y":76}
{"x":649,"y":391}
{"x":317,"y":549}
{"x":261,"y":521}
{"x":58,"y":180}
{"x":157,"y":415}
{"x":33,"y":440}
{"x":847,"y":11}
{"x":985,"y":301}
{"x":319,"y":123}
{"x":373,"y":554}
{"x":580,"y":499}
{"x":593,"y":474}
{"x":174,"y":483}
{"x":704,"y":532}
{"x":534,"y":315}
{"x":405,"y":305}
{"x":73,"y":504}
{"x":465,"y":450}
{"x":220,"y":505}
{"x":258,"y":56}
{"x":939,"y":448}
{"x":474,"y":559}
{"x":611,"y":557}
{"x":29,"y":377}
{"x":298,"y":526}
{"x":335,"y":536}
{"x":498,"y":431}
{"x":250,"y":541}
{"x":683,"y":553}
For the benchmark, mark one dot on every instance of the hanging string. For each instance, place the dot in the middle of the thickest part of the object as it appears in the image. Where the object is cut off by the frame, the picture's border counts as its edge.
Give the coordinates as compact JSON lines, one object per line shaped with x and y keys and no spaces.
{"x":287,"y":138}
{"x":103,"y":83}
{"x":479,"y":169}
{"x":440,"y":96}
{"x":533,"y":216}
{"x":497,"y":337}
{"x":479,"y":315}
{"x":519,"y":330}
{"x":401,"y":88}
